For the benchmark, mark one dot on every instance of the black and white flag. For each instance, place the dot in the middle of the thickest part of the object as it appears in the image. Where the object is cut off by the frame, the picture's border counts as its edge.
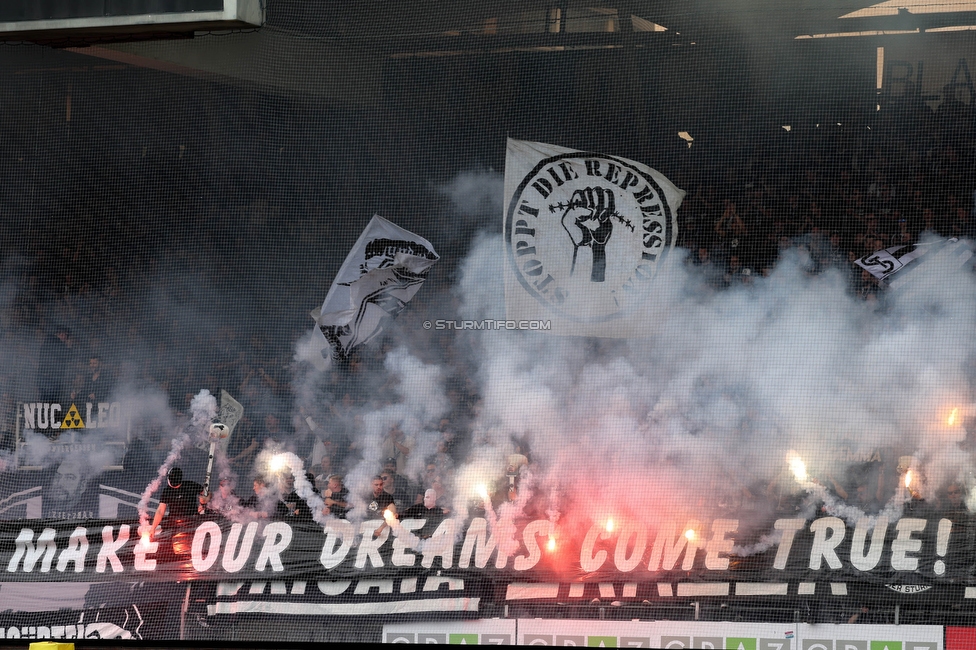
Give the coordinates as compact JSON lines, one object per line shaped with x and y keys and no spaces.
{"x":884,"y":264}
{"x":585,"y":236}
{"x":382,"y":272}
{"x":231,"y":411}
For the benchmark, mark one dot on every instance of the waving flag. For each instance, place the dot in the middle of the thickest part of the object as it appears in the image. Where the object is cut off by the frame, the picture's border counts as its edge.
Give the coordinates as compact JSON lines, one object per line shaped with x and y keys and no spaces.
{"x":884,"y":264}
{"x":585,"y":235}
{"x":382,"y":272}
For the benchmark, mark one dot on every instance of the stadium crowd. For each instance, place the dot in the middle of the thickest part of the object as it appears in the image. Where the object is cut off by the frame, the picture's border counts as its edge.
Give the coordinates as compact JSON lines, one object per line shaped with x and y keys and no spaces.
{"x":838,"y":190}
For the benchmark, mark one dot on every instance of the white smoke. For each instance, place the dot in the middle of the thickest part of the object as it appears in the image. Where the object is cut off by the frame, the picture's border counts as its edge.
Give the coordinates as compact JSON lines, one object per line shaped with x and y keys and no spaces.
{"x":419,"y":403}
{"x":697,"y":417}
{"x":475,"y":195}
{"x":703,"y":409}
{"x":203,"y":409}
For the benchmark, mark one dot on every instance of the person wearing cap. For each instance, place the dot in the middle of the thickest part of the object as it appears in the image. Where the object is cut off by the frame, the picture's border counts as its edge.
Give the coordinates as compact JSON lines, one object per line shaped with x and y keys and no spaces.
{"x":180,"y":500}
{"x":336,"y":497}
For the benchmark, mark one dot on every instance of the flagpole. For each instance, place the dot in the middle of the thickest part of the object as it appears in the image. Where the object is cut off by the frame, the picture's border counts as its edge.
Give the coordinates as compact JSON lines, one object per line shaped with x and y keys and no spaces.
{"x":216,"y":429}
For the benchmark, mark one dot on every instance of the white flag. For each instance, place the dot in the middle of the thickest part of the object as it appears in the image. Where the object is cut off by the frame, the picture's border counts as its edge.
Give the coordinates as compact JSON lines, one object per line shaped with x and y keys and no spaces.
{"x":585,"y":234}
{"x":229,"y":414}
{"x":230,"y":411}
{"x":382,"y":272}
{"x":883,"y":264}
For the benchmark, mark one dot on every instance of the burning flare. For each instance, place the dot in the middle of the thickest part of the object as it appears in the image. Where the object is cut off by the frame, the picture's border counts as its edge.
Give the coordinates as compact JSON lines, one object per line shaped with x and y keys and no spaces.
{"x":482,"y":491}
{"x":690,"y":534}
{"x":277,"y":463}
{"x":952,"y":417}
{"x":551,"y":544}
{"x":908,"y":478}
{"x":609,"y":525}
{"x":797,"y":466}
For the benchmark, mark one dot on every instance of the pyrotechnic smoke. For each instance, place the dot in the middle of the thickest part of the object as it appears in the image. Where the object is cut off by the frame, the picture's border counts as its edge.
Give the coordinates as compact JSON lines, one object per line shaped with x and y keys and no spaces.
{"x":476,"y":196}
{"x":309,"y":349}
{"x":694,"y":419}
{"x":700,"y":413}
{"x":420,"y":404}
{"x":203,"y":408}
{"x":291,"y":463}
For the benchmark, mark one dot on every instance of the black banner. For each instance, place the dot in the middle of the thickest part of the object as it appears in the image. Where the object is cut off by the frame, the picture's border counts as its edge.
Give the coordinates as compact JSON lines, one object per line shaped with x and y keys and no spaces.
{"x":920,"y":551}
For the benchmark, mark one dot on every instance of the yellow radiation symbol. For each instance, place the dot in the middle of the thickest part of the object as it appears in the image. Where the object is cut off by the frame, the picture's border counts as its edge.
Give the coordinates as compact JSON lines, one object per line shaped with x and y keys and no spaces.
{"x":73,"y":419}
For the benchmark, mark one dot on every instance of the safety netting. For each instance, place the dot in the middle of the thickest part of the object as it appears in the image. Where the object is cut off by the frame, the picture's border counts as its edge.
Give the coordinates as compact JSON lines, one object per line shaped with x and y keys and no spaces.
{"x":493,"y":322}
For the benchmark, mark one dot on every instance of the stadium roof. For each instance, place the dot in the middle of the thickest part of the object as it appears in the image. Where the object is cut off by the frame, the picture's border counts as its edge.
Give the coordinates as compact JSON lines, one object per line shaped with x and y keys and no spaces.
{"x":399,"y":25}
{"x":317,"y":35}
